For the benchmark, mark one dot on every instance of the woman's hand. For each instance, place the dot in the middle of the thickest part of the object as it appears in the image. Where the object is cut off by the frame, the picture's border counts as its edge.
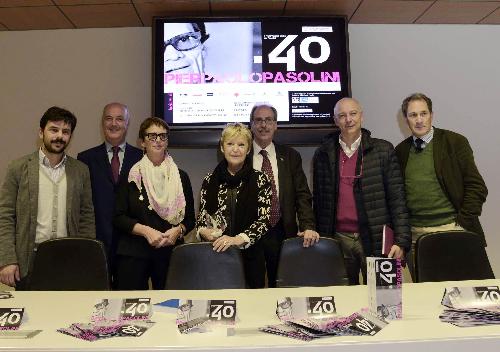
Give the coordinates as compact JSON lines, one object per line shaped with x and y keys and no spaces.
{"x":153,"y":236}
{"x":169,"y":237}
{"x":222,"y":243}
{"x":206,"y":234}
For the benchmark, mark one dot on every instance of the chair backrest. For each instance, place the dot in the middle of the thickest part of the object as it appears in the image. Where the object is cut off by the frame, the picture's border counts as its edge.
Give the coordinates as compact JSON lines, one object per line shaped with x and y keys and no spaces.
{"x":319,"y":265}
{"x":69,"y":264}
{"x":453,"y":255}
{"x":195,"y":266}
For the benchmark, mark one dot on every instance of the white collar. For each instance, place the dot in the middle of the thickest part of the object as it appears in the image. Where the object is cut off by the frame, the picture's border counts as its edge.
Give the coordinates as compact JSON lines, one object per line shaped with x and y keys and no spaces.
{"x":270,"y":149}
{"x":349,"y":151}
{"x":45,"y":161}
{"x":427,"y":138}
{"x":109,"y":146}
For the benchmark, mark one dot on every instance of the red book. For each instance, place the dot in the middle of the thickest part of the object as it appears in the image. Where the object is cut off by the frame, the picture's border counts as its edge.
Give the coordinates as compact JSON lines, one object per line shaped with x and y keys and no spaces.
{"x":387,"y":240}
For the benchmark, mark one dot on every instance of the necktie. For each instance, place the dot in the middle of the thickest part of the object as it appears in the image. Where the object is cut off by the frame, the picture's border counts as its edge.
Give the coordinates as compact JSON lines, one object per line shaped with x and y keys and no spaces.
{"x":275,"y":204}
{"x":115,"y":164}
{"x":418,"y":145}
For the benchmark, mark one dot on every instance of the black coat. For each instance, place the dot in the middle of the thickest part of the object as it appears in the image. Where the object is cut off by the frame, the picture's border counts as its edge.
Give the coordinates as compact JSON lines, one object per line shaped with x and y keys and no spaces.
{"x":379,"y":193}
{"x":130,"y":211}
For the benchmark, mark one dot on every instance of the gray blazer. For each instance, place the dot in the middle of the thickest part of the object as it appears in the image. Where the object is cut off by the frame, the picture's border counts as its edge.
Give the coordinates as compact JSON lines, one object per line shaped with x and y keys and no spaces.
{"x":19,"y":208}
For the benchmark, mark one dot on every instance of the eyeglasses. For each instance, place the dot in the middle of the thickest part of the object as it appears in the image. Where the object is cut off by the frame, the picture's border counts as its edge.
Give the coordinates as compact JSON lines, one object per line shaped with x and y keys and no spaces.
{"x":349,"y":179}
{"x":352,"y":114}
{"x":266,"y":121}
{"x":183,"y":42}
{"x":152,"y":137}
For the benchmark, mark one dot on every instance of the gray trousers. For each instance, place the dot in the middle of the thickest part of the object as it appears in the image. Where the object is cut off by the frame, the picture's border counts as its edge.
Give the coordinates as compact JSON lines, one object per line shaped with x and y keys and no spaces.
{"x":354,"y":256}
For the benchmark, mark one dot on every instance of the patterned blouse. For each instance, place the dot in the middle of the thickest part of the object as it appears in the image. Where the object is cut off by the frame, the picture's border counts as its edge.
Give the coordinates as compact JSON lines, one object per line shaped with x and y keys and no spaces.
{"x":221,"y":218}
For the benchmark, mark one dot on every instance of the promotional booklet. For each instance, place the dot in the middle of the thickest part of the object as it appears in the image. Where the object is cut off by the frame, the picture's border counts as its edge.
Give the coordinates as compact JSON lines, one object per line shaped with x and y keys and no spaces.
{"x":289,"y":308}
{"x":308,"y":318}
{"x":471,"y":306}
{"x":205,"y":315}
{"x":357,"y":324}
{"x":11,"y":318}
{"x":91,"y":332}
{"x":385,"y":286}
{"x":114,"y":317}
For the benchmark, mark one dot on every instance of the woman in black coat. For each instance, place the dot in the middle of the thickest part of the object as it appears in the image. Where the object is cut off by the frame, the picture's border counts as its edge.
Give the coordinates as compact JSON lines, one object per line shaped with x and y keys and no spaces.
{"x":154,"y":209}
{"x":235,"y":203}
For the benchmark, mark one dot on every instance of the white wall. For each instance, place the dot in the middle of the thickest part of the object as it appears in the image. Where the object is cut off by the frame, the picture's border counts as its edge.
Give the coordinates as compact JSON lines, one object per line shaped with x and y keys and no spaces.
{"x":457,"y":66}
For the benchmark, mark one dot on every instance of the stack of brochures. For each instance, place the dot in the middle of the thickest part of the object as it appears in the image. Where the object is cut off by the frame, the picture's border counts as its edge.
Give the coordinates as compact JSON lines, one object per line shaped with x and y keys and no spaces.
{"x":114,"y":318}
{"x":356,"y":324}
{"x":308,"y":318}
{"x":471,"y":306}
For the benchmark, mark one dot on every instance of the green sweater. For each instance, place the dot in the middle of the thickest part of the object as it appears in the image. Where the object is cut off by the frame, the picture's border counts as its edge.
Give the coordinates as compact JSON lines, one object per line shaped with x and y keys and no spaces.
{"x":427,"y":203}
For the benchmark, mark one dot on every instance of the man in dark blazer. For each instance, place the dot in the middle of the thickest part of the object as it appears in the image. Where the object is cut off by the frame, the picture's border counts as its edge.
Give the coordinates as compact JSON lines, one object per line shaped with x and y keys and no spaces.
{"x":293,"y":197}
{"x":108,"y":163}
{"x":445,"y":191}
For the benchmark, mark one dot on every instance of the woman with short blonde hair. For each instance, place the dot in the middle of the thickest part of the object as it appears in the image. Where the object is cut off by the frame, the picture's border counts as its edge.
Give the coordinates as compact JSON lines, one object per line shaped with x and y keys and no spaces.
{"x":235,"y":203}
{"x":234,"y":130}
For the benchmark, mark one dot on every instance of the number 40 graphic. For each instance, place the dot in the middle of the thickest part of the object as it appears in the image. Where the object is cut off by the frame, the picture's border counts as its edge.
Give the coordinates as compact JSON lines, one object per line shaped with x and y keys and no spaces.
{"x":304,"y":50}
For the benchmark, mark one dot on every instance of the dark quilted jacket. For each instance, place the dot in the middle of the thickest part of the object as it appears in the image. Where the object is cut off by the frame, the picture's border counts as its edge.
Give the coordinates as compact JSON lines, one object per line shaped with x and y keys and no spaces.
{"x":379,"y":193}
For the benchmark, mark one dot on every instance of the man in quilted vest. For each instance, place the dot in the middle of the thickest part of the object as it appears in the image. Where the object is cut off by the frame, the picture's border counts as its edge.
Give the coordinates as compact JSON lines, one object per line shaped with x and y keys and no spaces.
{"x":357,"y":189}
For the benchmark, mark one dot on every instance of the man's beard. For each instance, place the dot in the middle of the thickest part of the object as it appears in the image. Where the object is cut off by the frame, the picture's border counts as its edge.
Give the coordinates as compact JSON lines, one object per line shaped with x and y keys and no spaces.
{"x":50,"y":149}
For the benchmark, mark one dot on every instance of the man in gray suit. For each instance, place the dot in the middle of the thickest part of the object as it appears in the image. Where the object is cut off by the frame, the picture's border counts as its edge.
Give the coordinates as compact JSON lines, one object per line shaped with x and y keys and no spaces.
{"x":45,"y":195}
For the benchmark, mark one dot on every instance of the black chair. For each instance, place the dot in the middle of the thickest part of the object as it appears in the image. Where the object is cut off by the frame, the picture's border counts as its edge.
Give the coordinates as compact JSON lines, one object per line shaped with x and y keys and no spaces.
{"x":450,"y":256}
{"x":319,"y":265}
{"x":195,"y":266}
{"x":69,"y":264}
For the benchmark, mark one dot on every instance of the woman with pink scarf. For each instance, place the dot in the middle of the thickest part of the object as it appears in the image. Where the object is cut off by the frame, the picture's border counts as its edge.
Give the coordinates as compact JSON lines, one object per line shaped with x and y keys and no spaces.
{"x":154,"y":210}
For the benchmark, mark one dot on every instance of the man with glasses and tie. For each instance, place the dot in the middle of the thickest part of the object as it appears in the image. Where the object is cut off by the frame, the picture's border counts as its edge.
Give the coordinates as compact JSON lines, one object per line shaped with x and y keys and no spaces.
{"x":444,"y":189}
{"x":107,"y":163}
{"x":357,"y":189}
{"x":184,"y":51}
{"x":291,"y":199}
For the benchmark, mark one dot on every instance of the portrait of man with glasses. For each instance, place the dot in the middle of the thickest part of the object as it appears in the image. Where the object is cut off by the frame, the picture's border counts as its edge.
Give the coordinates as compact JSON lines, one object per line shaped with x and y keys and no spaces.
{"x":184,"y":49}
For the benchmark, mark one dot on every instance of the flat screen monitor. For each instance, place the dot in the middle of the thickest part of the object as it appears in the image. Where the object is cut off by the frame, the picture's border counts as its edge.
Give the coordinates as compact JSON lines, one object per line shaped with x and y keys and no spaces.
{"x":211,"y":71}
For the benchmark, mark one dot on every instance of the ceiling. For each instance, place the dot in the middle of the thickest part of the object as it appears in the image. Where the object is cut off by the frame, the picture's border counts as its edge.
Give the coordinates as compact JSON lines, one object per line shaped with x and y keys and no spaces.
{"x":17,"y":15}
